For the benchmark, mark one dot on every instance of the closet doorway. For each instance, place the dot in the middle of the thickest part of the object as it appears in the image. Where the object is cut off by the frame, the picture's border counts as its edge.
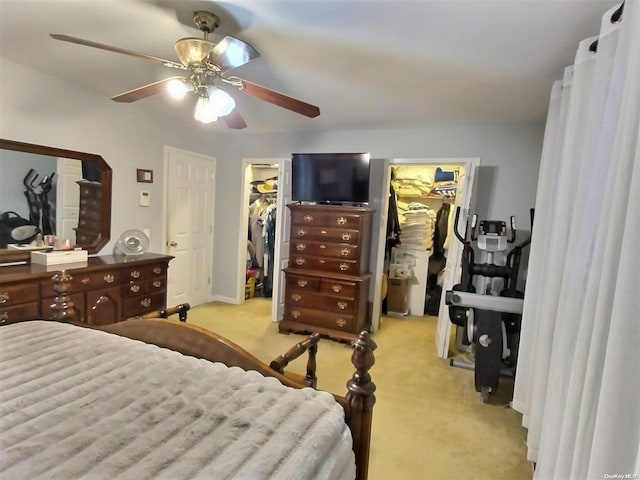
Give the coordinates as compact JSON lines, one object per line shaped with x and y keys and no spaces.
{"x":266,"y":190}
{"x":424,"y":188}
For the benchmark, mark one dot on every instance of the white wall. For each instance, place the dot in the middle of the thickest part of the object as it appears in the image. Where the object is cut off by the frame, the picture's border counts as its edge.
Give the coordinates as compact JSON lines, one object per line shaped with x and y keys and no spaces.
{"x":39,"y":109}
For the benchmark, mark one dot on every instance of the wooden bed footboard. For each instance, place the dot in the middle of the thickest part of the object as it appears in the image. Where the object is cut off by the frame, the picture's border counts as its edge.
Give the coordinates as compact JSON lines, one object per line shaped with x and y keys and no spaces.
{"x":198,"y":342}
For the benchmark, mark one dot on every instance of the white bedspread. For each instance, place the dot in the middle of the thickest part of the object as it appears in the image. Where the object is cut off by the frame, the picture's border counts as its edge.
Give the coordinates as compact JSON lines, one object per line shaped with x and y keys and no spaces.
{"x":78,"y":403}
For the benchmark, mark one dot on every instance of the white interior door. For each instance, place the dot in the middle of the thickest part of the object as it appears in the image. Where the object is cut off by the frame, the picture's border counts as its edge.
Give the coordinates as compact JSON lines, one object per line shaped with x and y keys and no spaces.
{"x":69,"y":171}
{"x":283,"y":227}
{"x":190,"y":196}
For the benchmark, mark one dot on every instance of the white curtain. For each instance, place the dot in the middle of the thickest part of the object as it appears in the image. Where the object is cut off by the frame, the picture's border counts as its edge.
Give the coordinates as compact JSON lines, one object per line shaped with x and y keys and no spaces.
{"x":578,"y":378}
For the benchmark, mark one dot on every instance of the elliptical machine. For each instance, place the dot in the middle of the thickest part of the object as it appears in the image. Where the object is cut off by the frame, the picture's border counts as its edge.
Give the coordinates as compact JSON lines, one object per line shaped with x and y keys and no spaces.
{"x":489,"y":323}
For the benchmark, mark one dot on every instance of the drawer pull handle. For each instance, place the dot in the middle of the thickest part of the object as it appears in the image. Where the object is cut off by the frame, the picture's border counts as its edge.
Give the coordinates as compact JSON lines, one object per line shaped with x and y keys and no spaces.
{"x":341,"y":322}
{"x":86,"y":280}
{"x":344,"y":267}
{"x":308,"y":218}
{"x":345,"y":252}
{"x":323,"y":232}
{"x":157,"y":283}
{"x":300,"y":261}
{"x":146,"y":302}
{"x":157,"y":270}
{"x":302,"y":283}
{"x":4,"y":297}
{"x":295,"y":313}
{"x":341,"y":220}
{"x":4,"y":317}
{"x":322,"y":247}
{"x":336,"y":288}
{"x":109,"y":278}
{"x":135,"y":288}
{"x":301,"y":246}
{"x":342,"y":305}
{"x":135,"y":274}
{"x":296,"y":297}
{"x":346,"y":236}
{"x":301,"y":232}
{"x":322,"y":261}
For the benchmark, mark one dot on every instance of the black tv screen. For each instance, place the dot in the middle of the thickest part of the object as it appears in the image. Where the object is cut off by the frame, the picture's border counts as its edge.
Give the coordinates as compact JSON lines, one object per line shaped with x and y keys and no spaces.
{"x":330,"y":177}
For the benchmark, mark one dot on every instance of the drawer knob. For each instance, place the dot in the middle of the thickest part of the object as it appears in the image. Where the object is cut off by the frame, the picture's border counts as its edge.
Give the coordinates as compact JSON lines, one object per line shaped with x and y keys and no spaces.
{"x":341,"y":322}
{"x":346,"y":236}
{"x":301,"y":246}
{"x":336,"y":288}
{"x":302,"y":283}
{"x":300,"y":261}
{"x":344,"y":267}
{"x":145,"y":302}
{"x":135,"y":288}
{"x":109,"y":278}
{"x":157,"y":283}
{"x":4,"y":297}
{"x":308,"y":218}
{"x":301,"y":232}
{"x":345,"y":252}
{"x":86,"y":280}
{"x":4,"y":317}
{"x":341,"y":220}
{"x":323,"y":247}
{"x":323,"y":232}
{"x":296,"y":297}
{"x":295,"y":313}
{"x":157,"y":270}
{"x":342,"y":305}
{"x":135,"y":274}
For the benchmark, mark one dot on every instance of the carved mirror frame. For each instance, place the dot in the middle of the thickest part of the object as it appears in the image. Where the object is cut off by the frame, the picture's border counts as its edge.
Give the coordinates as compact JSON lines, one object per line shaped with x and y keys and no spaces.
{"x":105,"y":179}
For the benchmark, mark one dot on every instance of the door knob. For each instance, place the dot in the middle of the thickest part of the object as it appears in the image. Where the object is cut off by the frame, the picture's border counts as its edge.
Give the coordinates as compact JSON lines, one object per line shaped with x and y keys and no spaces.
{"x":173,"y":243}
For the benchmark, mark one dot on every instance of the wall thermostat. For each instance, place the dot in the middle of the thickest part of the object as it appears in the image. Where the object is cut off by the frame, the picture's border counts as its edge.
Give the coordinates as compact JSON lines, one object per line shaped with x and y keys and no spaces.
{"x":145,"y":198}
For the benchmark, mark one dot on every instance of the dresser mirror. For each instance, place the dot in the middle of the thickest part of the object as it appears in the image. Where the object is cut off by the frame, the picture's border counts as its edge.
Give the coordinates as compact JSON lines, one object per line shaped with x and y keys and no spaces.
{"x":45,"y":184}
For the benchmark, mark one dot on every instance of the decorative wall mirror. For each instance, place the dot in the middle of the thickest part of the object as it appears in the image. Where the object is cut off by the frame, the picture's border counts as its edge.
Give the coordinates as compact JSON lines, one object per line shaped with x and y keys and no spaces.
{"x":26,"y":169}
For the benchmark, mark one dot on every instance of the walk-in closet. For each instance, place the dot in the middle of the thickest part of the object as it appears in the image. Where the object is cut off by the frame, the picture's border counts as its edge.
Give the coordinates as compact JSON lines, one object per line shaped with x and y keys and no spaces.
{"x":262,"y":185}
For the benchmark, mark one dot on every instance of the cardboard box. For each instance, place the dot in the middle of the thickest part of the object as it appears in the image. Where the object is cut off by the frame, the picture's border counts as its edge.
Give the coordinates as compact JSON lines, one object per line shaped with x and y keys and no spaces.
{"x":57,"y":257}
{"x":398,"y":296}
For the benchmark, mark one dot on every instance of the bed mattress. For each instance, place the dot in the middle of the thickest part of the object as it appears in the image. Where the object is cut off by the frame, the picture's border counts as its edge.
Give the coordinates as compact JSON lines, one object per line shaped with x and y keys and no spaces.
{"x":80,"y":403}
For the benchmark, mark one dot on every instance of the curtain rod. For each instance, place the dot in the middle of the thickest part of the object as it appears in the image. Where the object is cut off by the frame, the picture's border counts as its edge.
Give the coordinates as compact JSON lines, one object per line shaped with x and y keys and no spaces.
{"x":615,"y":18}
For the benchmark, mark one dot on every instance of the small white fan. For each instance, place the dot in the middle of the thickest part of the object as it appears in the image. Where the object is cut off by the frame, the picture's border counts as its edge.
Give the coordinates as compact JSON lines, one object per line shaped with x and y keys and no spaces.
{"x":132,"y":242}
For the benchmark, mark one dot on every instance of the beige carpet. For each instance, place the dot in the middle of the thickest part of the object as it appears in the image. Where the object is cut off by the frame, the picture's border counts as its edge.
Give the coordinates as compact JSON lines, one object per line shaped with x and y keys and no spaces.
{"x":429,"y":422}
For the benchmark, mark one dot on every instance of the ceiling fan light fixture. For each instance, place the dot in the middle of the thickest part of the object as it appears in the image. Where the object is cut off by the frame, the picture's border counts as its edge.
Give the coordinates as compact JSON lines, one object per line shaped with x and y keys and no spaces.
{"x":205,"y":111}
{"x":222,"y":102}
{"x":193,"y":50}
{"x":177,"y":89}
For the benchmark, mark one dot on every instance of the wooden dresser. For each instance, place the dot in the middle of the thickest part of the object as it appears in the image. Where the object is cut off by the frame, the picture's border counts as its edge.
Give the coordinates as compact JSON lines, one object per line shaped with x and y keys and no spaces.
{"x":107,"y":289}
{"x":327,"y":279}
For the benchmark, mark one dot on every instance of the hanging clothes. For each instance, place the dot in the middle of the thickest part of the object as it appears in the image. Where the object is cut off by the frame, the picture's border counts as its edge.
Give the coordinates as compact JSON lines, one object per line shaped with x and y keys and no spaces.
{"x":269,"y":248}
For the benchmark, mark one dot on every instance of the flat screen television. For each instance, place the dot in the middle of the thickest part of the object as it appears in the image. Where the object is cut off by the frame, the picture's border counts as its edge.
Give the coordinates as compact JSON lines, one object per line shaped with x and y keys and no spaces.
{"x":331,"y":178}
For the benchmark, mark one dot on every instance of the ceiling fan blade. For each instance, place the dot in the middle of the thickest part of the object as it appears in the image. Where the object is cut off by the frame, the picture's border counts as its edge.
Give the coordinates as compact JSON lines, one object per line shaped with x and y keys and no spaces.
{"x":234,"y":120}
{"x":143,"y":92}
{"x":279,"y":99}
{"x":109,"y":48}
{"x":231,"y":53}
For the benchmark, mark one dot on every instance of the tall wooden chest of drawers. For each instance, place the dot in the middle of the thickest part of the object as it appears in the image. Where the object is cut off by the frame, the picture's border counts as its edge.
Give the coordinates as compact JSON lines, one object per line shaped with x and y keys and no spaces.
{"x":89,"y":216}
{"x":327,"y":279}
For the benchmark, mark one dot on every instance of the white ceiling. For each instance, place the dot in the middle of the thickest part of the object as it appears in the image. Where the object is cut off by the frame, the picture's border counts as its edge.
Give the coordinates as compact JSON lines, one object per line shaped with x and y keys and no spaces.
{"x":366,"y":63}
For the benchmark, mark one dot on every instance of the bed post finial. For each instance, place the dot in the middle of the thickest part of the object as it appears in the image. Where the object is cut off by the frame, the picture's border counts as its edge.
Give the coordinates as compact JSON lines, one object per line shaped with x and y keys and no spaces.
{"x":360,"y":400}
{"x":62,"y":309}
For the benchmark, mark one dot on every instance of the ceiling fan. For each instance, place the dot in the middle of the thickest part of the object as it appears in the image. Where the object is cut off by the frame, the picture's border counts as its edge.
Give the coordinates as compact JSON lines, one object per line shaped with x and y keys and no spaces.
{"x":204,"y":64}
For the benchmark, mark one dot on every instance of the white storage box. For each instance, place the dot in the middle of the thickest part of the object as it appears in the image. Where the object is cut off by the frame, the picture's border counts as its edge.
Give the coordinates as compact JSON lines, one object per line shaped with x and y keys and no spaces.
{"x":57,"y":257}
